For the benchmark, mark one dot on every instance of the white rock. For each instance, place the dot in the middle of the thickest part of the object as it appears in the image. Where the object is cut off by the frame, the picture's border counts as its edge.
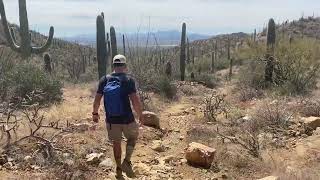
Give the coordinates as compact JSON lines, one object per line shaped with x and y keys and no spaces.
{"x":107,"y":163}
{"x":312,"y":122}
{"x":200,"y":155}
{"x":316,"y":132}
{"x":28,"y":159}
{"x":94,"y":158}
{"x":81,"y":127}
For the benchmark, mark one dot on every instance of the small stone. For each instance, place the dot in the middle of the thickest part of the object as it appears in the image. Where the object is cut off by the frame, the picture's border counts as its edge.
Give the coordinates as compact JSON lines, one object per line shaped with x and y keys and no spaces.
{"x":8,"y":165}
{"x":181,"y":138}
{"x":80,"y":127}
{"x":270,"y":178}
{"x":28,"y":159}
{"x":34,"y":167}
{"x":94,"y":158}
{"x":158,"y":146}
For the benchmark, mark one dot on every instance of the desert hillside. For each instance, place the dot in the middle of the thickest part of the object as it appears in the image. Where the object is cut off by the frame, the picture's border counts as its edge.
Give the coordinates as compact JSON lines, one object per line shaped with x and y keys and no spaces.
{"x":234,"y":106}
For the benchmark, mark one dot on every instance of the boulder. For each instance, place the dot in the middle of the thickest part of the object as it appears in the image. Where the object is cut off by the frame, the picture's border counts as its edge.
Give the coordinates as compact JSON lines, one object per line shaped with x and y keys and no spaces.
{"x":270,"y":178}
{"x":312,"y":122}
{"x":94,"y":158}
{"x":200,"y":155}
{"x":151,"y":119}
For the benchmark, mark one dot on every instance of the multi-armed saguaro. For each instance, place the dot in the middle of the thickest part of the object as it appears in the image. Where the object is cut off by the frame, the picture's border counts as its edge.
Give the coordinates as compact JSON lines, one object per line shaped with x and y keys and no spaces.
{"x":25,"y":48}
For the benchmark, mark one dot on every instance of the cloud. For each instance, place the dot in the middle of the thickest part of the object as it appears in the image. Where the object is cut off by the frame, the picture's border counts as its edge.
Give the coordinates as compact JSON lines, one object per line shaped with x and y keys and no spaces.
{"x":71,"y":17}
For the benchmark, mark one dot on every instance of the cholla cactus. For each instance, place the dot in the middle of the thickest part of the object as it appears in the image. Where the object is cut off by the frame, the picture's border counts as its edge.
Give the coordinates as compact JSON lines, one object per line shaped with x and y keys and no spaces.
{"x":24,"y":49}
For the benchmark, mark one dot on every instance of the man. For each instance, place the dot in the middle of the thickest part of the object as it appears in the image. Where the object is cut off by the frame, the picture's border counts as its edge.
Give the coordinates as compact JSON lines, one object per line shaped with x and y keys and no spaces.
{"x":118,"y":89}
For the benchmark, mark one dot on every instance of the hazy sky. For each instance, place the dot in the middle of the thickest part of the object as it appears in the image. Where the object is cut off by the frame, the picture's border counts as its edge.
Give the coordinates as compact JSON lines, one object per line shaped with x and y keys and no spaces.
{"x":72,"y":17}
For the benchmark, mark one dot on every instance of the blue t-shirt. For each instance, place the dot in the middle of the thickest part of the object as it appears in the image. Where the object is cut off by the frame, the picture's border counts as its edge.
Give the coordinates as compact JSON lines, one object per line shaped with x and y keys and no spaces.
{"x":128,"y":87}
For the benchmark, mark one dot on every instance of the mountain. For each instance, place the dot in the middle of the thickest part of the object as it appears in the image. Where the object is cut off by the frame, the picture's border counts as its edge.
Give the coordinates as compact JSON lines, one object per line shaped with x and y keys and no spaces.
{"x":162,"y":38}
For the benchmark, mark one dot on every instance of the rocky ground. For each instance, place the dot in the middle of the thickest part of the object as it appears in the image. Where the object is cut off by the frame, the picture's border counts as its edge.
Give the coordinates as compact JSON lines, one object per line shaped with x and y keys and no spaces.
{"x":164,"y":152}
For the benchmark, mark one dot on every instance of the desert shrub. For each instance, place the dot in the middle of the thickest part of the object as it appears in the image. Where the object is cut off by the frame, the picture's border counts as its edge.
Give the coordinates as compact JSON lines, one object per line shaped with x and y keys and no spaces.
{"x":296,"y":67}
{"x":27,"y":78}
{"x":310,"y":107}
{"x":246,"y":93}
{"x":214,"y":106}
{"x":187,"y":90}
{"x":166,"y":87}
{"x":207,"y":80}
{"x":272,"y":117}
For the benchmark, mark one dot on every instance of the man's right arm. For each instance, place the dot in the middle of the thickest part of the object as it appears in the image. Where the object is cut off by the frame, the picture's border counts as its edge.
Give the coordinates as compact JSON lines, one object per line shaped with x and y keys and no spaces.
{"x":136,"y":103}
{"x":96,"y":106}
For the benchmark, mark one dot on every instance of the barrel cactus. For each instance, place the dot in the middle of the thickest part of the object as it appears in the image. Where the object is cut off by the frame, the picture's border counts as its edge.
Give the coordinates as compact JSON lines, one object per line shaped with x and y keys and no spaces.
{"x":101,"y":47}
{"x":25,"y":49}
{"x":113,"y":38}
{"x":183,"y":52}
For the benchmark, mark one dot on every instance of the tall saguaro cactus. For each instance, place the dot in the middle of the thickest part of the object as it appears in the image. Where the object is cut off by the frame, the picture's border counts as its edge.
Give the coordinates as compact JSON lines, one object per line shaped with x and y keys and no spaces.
{"x":124,"y":45}
{"x":113,"y":38}
{"x":101,"y":47}
{"x":24,"y":49}
{"x":188,"y":51}
{"x":183,"y":52}
{"x":271,"y":40}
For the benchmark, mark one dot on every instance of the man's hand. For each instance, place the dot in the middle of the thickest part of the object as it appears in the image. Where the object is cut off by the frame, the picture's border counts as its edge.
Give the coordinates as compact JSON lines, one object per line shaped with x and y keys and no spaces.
{"x":95,"y":118}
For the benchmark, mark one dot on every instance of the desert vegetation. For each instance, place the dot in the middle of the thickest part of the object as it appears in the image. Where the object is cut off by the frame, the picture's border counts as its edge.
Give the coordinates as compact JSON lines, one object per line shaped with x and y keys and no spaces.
{"x":234,"y":106}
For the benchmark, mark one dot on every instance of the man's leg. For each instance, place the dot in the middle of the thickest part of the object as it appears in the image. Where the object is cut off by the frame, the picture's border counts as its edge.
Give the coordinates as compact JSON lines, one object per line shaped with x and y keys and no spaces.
{"x":115,"y":136}
{"x":131,"y":132}
{"x":117,"y":152}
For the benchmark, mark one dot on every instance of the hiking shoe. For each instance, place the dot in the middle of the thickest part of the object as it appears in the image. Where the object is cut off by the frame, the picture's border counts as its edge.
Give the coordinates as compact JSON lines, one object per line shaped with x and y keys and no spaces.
{"x":119,"y":173}
{"x":127,"y":168}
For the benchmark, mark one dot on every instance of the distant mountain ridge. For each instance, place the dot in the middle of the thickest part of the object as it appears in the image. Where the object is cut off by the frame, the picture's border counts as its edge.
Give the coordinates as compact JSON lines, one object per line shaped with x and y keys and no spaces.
{"x":162,"y":38}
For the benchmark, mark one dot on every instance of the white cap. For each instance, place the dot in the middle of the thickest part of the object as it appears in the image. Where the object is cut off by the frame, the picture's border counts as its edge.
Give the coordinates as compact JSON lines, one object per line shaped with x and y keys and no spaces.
{"x":119,"y":59}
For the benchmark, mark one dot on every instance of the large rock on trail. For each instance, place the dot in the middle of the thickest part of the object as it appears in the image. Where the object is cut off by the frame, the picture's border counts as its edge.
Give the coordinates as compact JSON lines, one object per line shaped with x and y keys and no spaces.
{"x":200,"y":155}
{"x":270,"y":178}
{"x":151,"y":119}
{"x":312,"y":122}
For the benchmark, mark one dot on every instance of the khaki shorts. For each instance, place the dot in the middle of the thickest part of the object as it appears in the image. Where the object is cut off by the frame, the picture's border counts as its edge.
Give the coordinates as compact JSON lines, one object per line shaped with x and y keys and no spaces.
{"x":115,"y":131}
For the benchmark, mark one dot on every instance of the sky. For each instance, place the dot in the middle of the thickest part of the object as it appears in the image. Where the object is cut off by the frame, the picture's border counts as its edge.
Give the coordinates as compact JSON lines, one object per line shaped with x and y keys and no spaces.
{"x":211,"y":17}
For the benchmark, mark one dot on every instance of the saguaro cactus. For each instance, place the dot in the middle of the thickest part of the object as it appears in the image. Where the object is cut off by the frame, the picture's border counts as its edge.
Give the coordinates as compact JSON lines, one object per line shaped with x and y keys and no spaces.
{"x":213,"y":56}
{"x":183,"y":52}
{"x":168,"y":69}
{"x":271,"y":40}
{"x":24,"y":49}
{"x":124,"y":45}
{"x":254,"y":35}
{"x":188,"y":51}
{"x":47,"y":63}
{"x":101,"y":47}
{"x":113,"y":37}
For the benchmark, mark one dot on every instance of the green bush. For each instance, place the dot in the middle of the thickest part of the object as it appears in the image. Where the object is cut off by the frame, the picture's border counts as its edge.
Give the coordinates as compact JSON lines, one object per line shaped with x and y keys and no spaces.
{"x":296,"y":67}
{"x":25,"y":79}
{"x":207,"y":80}
{"x":166,"y":87}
